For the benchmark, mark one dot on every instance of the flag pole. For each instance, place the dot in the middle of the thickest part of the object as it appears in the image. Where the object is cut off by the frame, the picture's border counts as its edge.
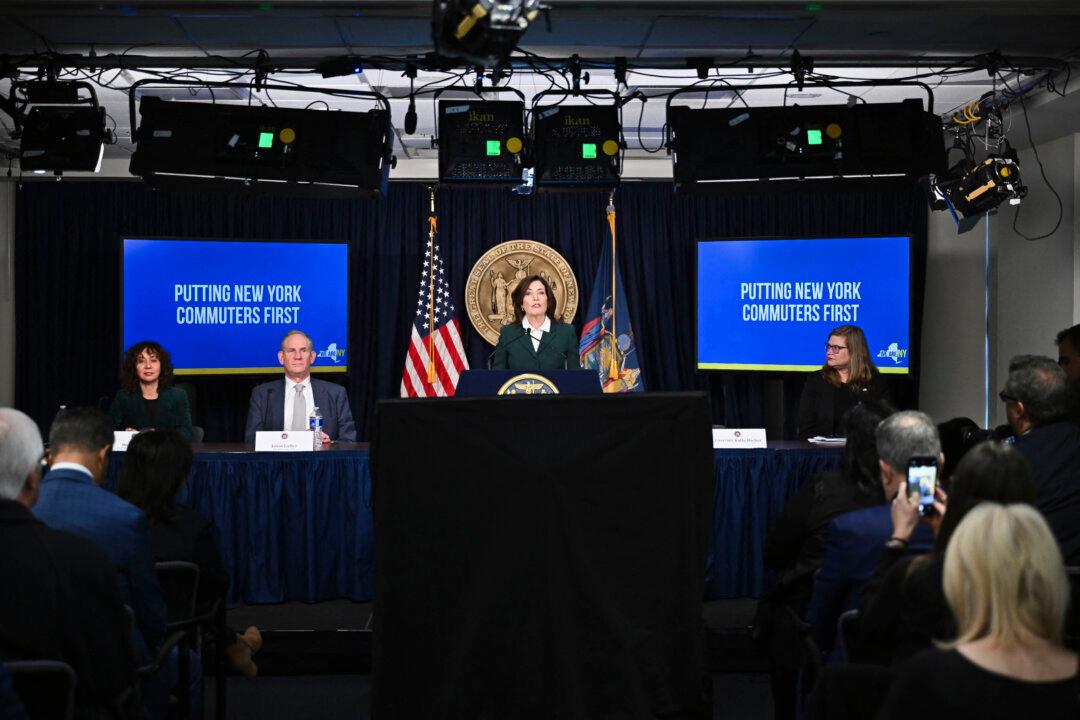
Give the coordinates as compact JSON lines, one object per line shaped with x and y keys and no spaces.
{"x":613,"y":368}
{"x":432,"y":223}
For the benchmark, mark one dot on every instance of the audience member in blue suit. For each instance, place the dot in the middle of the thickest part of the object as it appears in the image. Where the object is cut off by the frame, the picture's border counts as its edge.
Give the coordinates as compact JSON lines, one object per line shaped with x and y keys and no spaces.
{"x":855,"y":539}
{"x":72,"y":499}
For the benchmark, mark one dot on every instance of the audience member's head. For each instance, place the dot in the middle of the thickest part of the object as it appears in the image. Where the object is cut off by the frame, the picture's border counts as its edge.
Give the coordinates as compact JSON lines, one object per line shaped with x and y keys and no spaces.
{"x":20,"y":457}
{"x":1004,"y":578}
{"x":860,"y":452}
{"x":991,"y":471}
{"x":156,"y":465}
{"x":1034,"y":393}
{"x":83,"y":436}
{"x":900,"y":437}
{"x":958,"y":436}
{"x":1068,"y":342}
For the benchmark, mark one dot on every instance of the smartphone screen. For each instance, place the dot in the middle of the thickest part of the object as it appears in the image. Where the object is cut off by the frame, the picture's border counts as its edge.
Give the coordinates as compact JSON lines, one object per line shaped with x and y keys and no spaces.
{"x":921,"y":481}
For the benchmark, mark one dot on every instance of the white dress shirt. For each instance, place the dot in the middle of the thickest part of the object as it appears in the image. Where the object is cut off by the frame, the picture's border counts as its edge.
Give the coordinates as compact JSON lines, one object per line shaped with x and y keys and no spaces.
{"x":536,"y":333}
{"x":290,"y":397}
{"x":72,"y":466}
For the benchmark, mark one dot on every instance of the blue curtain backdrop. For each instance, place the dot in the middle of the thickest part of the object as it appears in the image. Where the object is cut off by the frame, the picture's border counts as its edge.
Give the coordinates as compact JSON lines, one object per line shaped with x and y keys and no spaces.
{"x":67,"y":261}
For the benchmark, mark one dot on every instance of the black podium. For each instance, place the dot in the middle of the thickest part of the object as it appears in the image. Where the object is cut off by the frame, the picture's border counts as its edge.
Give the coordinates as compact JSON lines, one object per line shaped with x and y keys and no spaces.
{"x":540,"y":558}
{"x":483,"y":383}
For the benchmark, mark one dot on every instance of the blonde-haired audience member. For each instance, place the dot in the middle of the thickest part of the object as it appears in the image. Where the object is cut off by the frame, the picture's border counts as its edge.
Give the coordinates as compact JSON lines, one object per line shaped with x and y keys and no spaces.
{"x":1005,"y":583}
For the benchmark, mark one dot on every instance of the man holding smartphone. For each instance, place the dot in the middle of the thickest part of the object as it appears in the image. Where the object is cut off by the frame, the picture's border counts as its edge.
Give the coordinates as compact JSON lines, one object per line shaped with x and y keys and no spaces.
{"x":855,"y":539}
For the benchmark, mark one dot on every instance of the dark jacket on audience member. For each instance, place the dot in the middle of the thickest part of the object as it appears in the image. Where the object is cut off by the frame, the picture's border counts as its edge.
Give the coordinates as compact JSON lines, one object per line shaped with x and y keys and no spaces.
{"x":189,"y":536}
{"x":902,"y":609}
{"x":71,"y":501}
{"x":60,"y":600}
{"x":1054,"y":453}
{"x":854,"y":544}
{"x":944,"y":684}
{"x":822,"y":405}
{"x":795,"y":546}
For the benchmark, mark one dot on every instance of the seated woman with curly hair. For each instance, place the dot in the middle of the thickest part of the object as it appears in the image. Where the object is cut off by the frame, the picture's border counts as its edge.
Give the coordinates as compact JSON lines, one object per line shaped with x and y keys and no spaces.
{"x":147,"y":398}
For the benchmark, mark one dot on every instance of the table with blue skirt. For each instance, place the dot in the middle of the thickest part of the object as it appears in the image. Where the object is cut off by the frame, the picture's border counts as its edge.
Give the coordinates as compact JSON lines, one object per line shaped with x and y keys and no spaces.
{"x":298,"y":526}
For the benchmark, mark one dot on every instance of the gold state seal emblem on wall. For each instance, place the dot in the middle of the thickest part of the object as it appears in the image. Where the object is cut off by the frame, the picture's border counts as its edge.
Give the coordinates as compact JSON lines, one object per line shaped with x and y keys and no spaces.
{"x":496,"y":275}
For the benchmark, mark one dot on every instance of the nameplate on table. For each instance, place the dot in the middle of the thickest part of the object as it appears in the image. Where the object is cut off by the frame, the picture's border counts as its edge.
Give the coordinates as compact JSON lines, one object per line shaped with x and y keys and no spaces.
{"x":738,"y":438}
{"x":284,"y":440}
{"x":121,"y":438}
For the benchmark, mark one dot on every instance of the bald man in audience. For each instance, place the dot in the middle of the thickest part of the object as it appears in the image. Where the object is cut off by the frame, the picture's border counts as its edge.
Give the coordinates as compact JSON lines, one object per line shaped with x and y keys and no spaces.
{"x":1036,"y":405}
{"x":59,"y":595}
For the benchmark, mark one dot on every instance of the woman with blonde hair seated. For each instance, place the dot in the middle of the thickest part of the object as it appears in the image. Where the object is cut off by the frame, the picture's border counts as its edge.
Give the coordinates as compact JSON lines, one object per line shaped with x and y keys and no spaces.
{"x":1006,"y":586}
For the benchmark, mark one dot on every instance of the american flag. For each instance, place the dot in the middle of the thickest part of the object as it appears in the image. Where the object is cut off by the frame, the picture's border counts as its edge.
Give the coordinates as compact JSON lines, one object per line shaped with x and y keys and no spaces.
{"x":436,"y":357}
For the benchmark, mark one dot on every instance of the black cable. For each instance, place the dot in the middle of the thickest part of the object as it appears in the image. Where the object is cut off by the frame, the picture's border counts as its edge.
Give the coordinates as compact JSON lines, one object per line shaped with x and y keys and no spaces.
{"x":1042,"y":171}
{"x":641,"y":116}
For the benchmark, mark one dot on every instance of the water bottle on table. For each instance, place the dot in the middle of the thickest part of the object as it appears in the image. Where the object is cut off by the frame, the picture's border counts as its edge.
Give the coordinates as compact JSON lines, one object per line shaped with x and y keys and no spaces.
{"x":315,"y":424}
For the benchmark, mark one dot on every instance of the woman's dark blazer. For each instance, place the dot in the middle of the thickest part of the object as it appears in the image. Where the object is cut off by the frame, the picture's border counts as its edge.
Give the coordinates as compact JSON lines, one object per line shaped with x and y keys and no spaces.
{"x":817,"y":405}
{"x":127,"y":410}
{"x":558,"y":349}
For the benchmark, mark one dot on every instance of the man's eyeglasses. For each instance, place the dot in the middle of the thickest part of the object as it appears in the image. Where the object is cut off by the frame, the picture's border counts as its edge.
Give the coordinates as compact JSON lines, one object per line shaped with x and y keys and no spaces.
{"x":834,"y":348}
{"x":1006,"y":398}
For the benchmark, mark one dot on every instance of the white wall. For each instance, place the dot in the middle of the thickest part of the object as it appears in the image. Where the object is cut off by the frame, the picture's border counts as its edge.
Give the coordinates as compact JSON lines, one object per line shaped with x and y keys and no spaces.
{"x":1037,"y":280}
{"x":7,"y":293}
{"x":953,"y":331}
{"x":1034,"y":286}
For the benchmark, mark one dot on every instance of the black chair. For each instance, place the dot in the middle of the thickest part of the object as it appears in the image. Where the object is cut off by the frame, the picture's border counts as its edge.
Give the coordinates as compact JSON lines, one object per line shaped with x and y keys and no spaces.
{"x":846,"y":629}
{"x":46,"y":688}
{"x":174,"y":641}
{"x":179,"y":583}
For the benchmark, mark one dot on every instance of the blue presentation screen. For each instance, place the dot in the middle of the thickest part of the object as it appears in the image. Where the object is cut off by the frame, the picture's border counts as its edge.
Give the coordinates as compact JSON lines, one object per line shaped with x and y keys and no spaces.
{"x":768,"y":304}
{"x":222,"y":306}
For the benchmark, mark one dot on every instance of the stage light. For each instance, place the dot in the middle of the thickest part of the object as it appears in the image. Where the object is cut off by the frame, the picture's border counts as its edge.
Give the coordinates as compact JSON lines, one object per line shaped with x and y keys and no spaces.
{"x":576,"y":145}
{"x":714,"y":146}
{"x":484,"y":32}
{"x":972,"y":190}
{"x":481,"y":141}
{"x":261,"y":148}
{"x":62,"y":130}
{"x":63,"y":138}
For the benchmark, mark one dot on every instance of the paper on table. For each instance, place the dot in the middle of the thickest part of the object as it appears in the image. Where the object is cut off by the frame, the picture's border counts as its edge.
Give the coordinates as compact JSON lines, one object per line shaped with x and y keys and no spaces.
{"x":821,"y":440}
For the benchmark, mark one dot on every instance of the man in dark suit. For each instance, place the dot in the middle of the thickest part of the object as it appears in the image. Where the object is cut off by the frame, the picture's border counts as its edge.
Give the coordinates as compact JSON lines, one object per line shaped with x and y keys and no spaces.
{"x":1068,"y":343}
{"x":59,"y":595}
{"x":72,"y":500}
{"x":286,"y":404}
{"x":855,"y":539}
{"x":1036,"y":405}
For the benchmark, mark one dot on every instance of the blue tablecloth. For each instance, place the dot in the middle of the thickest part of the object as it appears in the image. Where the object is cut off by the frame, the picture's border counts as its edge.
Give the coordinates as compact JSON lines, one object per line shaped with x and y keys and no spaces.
{"x":291,"y":526}
{"x":298,"y":526}
{"x":751,"y":488}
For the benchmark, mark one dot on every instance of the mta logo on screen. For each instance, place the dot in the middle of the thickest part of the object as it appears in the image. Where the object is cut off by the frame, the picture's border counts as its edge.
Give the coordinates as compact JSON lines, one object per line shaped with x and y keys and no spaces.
{"x":332,"y":352}
{"x":894,"y":353}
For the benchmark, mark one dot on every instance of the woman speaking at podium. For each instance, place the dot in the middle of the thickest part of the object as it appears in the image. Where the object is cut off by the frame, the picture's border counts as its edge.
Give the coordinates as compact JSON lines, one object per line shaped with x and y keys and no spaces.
{"x":847,"y":378}
{"x":535,"y":340}
{"x":147,"y":398}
